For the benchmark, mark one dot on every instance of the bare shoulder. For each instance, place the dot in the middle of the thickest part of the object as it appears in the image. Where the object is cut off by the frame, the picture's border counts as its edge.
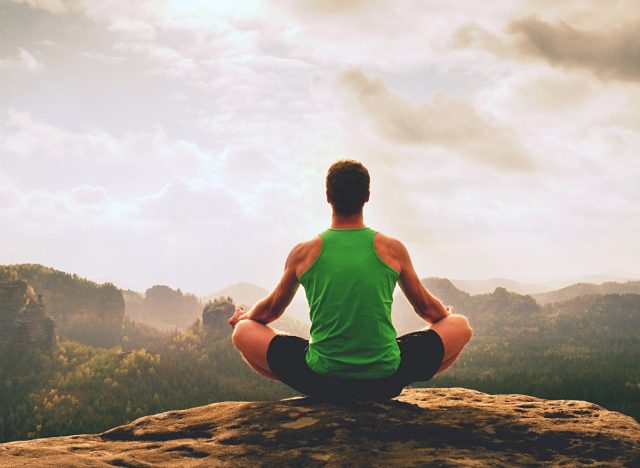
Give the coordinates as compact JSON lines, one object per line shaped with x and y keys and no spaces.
{"x":304,"y":254}
{"x":391,"y":251}
{"x":391,"y":245}
{"x":305,"y":247}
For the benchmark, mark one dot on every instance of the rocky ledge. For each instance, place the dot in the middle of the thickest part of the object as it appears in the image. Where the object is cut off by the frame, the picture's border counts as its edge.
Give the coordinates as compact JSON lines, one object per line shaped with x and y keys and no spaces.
{"x":438,"y":427}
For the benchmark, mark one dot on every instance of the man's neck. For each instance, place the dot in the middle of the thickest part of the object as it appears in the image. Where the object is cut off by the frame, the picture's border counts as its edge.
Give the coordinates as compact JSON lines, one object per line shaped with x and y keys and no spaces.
{"x":339,"y":221}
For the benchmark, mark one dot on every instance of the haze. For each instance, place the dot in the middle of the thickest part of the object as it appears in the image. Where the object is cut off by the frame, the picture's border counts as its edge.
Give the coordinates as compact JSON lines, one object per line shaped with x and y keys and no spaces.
{"x":186,"y":143}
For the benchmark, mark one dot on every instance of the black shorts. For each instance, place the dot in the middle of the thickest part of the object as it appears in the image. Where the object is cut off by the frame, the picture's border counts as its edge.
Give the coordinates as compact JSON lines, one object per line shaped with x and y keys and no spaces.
{"x":421,"y":354}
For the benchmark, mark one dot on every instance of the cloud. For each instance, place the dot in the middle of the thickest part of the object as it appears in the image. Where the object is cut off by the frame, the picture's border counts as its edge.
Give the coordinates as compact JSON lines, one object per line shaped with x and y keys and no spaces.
{"x":90,"y":195}
{"x":614,"y":54}
{"x":170,"y":61}
{"x":51,"y":6}
{"x":472,"y":35}
{"x":45,"y":210}
{"x":185,"y":202}
{"x":24,"y":59}
{"x":553,"y":93}
{"x":133,"y":163}
{"x":333,"y":7}
{"x":9,"y":194}
{"x":194,"y":138}
{"x":104,"y":58}
{"x":444,"y":121}
{"x":133,"y":28}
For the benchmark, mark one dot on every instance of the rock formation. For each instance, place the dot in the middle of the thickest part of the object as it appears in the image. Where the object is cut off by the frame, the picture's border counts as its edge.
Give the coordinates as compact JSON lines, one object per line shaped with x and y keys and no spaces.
{"x":23,"y":320}
{"x":34,"y":326}
{"x":435,"y":427}
{"x":84,"y":311}
{"x":216,"y":314}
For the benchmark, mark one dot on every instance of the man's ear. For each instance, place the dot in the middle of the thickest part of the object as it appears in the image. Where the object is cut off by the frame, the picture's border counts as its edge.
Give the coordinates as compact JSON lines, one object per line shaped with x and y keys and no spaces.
{"x":367,"y":197}
{"x":329,"y":200}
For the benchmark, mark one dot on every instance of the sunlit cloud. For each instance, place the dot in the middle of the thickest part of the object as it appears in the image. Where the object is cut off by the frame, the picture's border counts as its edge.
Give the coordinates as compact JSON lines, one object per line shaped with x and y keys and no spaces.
{"x":443,"y":121}
{"x":610,"y":54}
{"x":51,"y":6}
{"x":186,"y":142}
{"x":23,"y":59}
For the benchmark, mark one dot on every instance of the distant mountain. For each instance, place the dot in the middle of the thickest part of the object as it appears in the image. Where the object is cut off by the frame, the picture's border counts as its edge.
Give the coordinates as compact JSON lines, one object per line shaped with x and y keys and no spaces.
{"x":248,"y":294}
{"x":490,"y":313}
{"x":406,"y":320}
{"x":597,"y":278}
{"x":489,"y":285}
{"x":162,"y":307}
{"x":586,"y":314}
{"x":583,"y":289}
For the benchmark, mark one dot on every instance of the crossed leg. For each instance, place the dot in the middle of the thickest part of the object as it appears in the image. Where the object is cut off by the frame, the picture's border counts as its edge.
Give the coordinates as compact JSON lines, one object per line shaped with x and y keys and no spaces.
{"x":455,"y":332}
{"x":252,"y":339}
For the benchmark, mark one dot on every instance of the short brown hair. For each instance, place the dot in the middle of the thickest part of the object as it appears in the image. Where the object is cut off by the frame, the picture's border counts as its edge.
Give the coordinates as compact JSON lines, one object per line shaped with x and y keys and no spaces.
{"x":348,"y":186}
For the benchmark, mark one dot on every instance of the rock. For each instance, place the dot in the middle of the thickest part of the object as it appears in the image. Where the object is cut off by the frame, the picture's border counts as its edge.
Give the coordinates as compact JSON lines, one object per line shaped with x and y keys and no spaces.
{"x":216,"y":314}
{"x":440,"y":427}
{"x":23,"y":320}
{"x":83,"y":310}
{"x":14,"y":295}
{"x":34,"y":326}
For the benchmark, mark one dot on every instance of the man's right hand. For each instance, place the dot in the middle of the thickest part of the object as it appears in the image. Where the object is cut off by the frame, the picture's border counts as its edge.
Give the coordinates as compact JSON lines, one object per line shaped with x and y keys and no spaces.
{"x":238,"y":315}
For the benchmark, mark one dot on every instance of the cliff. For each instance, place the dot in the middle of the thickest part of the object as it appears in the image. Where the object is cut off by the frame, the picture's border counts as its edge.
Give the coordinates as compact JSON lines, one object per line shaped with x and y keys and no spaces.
{"x":83,"y":311}
{"x":216,"y":313}
{"x":23,"y":319}
{"x":441,"y":427}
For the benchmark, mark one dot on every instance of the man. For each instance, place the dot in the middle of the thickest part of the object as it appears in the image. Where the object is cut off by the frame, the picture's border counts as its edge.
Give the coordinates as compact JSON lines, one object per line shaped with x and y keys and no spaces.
{"x":349,"y":273}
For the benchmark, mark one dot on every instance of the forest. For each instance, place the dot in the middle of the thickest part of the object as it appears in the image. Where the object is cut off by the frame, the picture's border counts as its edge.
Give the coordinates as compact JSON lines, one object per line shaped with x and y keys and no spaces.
{"x":583,"y":348}
{"x":76,"y":388}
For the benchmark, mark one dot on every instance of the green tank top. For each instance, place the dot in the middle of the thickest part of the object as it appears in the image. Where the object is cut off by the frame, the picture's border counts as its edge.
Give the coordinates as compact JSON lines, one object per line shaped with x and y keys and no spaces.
{"x":350,"y":291}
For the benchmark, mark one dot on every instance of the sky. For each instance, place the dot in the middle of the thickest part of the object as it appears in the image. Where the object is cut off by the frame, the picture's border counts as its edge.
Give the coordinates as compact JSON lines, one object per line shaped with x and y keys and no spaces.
{"x":186,"y":142}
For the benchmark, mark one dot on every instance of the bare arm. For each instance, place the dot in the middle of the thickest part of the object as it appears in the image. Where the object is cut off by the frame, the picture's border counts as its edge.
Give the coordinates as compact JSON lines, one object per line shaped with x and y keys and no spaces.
{"x":272,"y":306}
{"x":426,"y":305}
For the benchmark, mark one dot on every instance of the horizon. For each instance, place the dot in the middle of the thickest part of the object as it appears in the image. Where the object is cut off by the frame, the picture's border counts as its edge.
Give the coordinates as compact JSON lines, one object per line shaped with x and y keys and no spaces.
{"x":552,"y":285}
{"x":186,"y":144}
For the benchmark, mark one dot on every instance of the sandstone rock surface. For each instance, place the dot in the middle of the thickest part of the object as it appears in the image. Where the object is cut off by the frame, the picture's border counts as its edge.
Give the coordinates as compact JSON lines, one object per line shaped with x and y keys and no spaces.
{"x":438,"y":427}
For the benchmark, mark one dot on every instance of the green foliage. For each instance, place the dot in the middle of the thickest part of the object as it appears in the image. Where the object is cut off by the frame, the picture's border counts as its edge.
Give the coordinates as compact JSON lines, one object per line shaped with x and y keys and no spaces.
{"x":77,"y":388}
{"x":84,"y":311}
{"x":586,"y":348}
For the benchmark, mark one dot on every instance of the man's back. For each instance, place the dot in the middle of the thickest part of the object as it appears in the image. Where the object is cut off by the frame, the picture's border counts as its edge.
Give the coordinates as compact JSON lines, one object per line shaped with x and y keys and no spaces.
{"x":350,"y":291}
